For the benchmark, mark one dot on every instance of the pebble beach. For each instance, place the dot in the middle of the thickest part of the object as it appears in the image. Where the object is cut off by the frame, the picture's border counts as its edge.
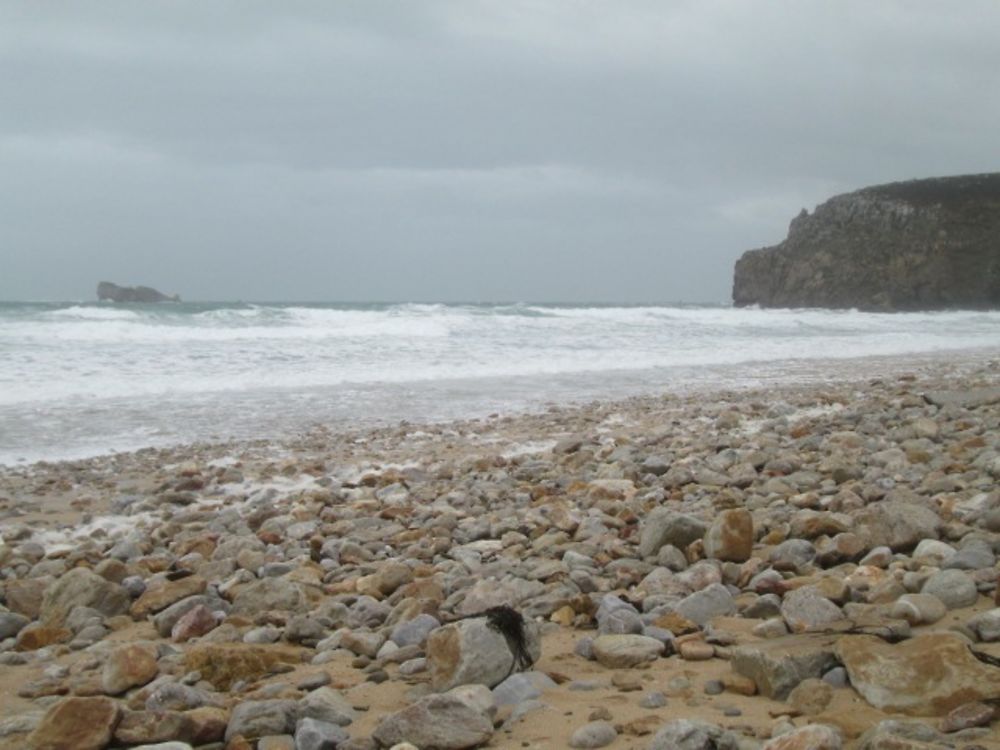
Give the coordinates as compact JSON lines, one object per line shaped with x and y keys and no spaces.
{"x":797,"y":566}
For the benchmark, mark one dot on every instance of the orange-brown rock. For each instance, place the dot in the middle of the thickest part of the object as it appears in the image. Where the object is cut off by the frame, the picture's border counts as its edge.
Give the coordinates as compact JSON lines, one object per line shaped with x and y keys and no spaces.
{"x":81,"y":587}
{"x":563,"y":616}
{"x":737,"y":683}
{"x":112,"y":570}
{"x":164,"y":593}
{"x":76,"y":724}
{"x":203,"y":545}
{"x":224,"y":663}
{"x":152,"y":564}
{"x":196,"y":622}
{"x":146,"y":727}
{"x":129,"y":666}
{"x":423,"y":588}
{"x":238,"y":743}
{"x":968,"y":715}
{"x":676,"y":624}
{"x":37,"y":635}
{"x":927,"y":675}
{"x":811,"y":737}
{"x":389,"y":577}
{"x":24,"y":596}
{"x":642,"y":726}
{"x":696,"y":651}
{"x":730,"y":537}
{"x":208,"y":724}
{"x":809,"y":524}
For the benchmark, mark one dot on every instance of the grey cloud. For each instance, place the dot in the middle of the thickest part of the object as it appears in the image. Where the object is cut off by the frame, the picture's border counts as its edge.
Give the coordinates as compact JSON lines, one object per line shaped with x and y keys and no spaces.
{"x":462,"y":150}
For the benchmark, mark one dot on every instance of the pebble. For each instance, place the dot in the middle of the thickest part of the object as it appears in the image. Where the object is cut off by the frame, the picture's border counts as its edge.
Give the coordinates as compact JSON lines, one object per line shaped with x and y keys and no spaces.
{"x":653,"y":700}
{"x":968,"y":715}
{"x":714,"y":687}
{"x":696,"y":651}
{"x":594,"y":734}
{"x":953,"y":588}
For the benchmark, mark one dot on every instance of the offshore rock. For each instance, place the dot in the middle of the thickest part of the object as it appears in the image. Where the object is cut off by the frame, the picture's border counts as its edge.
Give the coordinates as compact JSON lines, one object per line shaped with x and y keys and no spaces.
{"x":918,"y":245}
{"x":109,"y":291}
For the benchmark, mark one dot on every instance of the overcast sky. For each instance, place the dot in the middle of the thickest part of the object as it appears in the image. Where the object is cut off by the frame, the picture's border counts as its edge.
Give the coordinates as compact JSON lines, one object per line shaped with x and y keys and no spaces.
{"x":463,"y":150}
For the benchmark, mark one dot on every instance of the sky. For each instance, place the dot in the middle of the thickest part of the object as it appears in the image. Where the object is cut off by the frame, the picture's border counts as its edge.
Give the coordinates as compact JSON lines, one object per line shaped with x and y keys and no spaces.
{"x":463,"y":150}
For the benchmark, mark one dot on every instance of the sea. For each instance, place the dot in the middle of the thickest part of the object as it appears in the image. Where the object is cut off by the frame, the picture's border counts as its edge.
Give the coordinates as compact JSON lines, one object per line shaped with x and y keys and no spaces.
{"x":84,"y":379}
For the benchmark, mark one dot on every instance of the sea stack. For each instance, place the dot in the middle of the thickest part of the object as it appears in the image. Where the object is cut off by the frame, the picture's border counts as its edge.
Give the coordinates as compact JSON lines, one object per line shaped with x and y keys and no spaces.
{"x":108,"y":291}
{"x":928,"y":244}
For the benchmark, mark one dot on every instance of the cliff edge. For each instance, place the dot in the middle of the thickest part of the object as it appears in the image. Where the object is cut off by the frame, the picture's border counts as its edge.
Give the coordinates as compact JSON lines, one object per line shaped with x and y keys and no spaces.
{"x":920,"y":245}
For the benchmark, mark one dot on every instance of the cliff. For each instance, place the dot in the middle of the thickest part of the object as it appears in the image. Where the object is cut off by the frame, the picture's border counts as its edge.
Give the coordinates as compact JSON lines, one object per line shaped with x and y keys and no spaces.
{"x":108,"y":291}
{"x":918,"y":245}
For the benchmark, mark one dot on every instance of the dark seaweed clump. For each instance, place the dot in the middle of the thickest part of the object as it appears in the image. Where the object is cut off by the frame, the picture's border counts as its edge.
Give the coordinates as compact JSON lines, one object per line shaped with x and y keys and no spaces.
{"x":509,"y":623}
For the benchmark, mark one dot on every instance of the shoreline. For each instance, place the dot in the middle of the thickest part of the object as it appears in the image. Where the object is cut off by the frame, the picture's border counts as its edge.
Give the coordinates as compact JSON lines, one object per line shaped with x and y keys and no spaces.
{"x":753,"y":375}
{"x":551,"y":511}
{"x":67,"y":492}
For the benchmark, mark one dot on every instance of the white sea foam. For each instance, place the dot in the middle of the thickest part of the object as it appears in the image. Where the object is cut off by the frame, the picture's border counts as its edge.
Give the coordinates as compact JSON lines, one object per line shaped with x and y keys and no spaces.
{"x":82,"y":312}
{"x":78,"y":379}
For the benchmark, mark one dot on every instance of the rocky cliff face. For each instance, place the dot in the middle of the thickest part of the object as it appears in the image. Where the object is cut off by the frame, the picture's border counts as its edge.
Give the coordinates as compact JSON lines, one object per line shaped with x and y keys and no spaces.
{"x":108,"y":291}
{"x":919,"y":245}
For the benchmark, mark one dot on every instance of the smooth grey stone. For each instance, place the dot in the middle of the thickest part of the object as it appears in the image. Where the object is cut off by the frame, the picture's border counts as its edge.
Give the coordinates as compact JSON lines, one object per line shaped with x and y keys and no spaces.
{"x":702,"y":606}
{"x":653,"y":700}
{"x":763,"y":607}
{"x":664,"y":526}
{"x":593,"y":735}
{"x":585,"y":648}
{"x":836,"y":677}
{"x":312,"y":734}
{"x":11,"y":624}
{"x":953,"y":587}
{"x":971,"y":557}
{"x":414,"y":632}
{"x":327,"y":705}
{"x":259,"y":718}
{"x":686,"y":734}
{"x":522,"y":686}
